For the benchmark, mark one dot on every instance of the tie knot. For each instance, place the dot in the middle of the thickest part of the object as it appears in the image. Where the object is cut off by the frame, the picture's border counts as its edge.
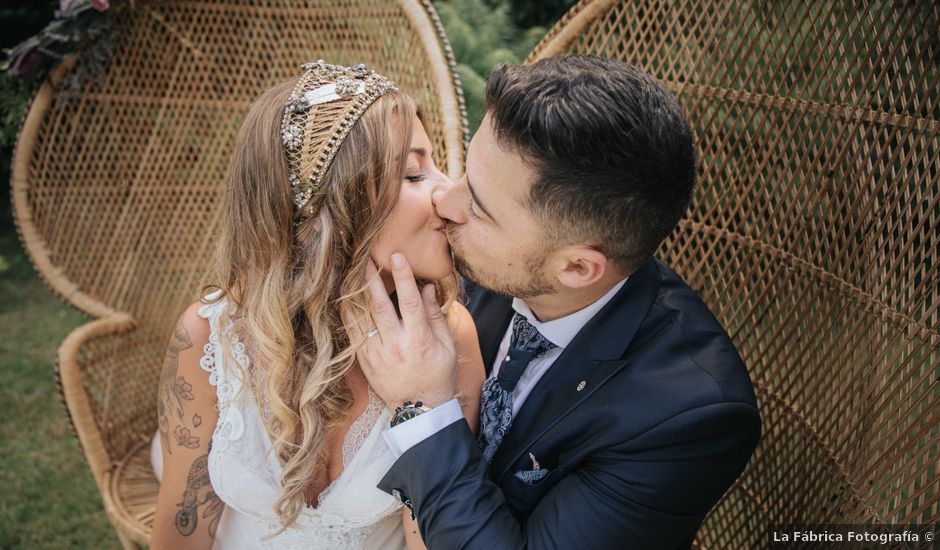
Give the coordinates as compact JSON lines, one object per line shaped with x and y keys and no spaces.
{"x":527,"y":338}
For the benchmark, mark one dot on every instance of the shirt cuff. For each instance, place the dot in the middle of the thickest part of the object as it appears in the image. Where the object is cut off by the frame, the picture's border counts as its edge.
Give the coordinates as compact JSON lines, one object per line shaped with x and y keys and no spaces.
{"x":415,"y":430}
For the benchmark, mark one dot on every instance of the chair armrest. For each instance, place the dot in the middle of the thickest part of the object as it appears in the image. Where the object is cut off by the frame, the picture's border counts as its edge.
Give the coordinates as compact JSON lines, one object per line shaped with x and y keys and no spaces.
{"x":84,"y":407}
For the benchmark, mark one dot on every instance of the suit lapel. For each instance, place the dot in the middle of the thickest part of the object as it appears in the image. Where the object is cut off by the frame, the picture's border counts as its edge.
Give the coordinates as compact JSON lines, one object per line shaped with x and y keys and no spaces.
{"x":591,"y":359}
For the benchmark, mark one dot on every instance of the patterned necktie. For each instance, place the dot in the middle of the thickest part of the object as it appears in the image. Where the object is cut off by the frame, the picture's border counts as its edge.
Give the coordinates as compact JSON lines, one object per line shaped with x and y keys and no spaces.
{"x":525,"y":346}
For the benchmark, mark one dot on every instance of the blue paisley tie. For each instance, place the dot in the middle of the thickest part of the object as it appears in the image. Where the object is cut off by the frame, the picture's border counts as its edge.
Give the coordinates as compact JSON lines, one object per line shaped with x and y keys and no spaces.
{"x":525,"y":346}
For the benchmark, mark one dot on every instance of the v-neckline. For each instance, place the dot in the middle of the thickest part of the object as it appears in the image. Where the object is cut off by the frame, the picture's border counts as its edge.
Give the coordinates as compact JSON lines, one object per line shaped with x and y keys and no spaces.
{"x":373,"y":403}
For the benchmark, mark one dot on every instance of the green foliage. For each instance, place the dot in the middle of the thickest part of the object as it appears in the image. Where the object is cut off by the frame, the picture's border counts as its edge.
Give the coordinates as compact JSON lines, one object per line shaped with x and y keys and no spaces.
{"x":531,"y":13}
{"x":473,"y":87}
{"x":483,"y":35}
{"x":13,"y":100}
{"x":48,"y":498}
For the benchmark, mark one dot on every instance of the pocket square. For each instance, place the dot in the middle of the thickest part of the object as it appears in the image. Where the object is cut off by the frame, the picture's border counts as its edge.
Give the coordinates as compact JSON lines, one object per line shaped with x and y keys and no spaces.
{"x":531,"y":477}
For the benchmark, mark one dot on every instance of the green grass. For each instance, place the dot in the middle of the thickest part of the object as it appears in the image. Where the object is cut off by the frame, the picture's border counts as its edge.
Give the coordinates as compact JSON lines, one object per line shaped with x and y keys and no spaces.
{"x":48,"y":498}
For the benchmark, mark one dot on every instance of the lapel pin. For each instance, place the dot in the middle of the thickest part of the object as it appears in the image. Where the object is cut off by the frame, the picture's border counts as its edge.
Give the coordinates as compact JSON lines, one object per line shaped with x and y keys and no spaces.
{"x":535,"y":463}
{"x":581,"y":385}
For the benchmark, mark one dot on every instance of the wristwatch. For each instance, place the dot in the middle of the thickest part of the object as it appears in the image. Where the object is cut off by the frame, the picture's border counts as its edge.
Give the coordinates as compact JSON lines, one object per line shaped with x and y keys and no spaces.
{"x":408,"y":411}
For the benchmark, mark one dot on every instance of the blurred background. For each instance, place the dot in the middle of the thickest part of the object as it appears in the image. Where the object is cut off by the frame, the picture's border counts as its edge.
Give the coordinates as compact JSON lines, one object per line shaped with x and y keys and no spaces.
{"x":48,"y":498}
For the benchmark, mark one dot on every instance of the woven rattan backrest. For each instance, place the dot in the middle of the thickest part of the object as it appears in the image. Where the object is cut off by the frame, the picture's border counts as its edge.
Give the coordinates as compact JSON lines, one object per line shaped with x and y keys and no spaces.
{"x":117,"y":186}
{"x":813,"y":236}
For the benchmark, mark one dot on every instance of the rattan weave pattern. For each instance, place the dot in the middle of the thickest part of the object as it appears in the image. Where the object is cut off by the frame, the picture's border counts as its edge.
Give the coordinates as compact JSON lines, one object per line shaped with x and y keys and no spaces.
{"x":116,"y":187}
{"x":814,"y":236}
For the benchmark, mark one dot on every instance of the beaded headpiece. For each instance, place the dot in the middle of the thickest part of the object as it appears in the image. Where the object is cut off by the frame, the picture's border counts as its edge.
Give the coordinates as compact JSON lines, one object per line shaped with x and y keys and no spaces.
{"x":326,"y":102}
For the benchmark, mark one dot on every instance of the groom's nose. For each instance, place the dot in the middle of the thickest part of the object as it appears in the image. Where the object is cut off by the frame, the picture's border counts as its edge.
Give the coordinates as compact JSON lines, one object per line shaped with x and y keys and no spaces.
{"x":446,"y":200}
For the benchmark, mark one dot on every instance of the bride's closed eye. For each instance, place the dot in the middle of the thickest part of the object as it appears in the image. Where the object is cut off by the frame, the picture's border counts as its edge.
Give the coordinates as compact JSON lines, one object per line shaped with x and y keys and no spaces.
{"x":416,"y":178}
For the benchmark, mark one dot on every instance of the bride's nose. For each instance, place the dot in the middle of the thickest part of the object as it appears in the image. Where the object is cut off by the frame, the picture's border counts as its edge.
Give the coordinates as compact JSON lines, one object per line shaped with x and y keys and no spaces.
{"x":442,"y":198}
{"x":442,"y":186}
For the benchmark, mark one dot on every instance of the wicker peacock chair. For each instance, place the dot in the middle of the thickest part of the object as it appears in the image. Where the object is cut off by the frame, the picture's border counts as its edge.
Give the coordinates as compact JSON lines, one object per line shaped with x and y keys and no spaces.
{"x":814,"y":236}
{"x":116,"y":187}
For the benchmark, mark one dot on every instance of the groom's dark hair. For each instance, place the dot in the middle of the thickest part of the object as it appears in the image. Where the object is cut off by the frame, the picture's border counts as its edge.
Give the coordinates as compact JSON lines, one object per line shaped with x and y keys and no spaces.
{"x":611,"y":148}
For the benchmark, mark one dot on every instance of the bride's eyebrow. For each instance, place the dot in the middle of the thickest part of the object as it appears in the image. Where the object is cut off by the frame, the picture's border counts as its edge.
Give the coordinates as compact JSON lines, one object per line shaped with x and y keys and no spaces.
{"x":422,"y":154}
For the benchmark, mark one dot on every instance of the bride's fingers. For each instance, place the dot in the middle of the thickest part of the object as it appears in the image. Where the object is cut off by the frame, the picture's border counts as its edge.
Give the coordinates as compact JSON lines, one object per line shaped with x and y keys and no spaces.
{"x":409,"y":298}
{"x":356,"y":328}
{"x":434,"y":314}
{"x":382,"y":310}
{"x":369,"y":355}
{"x":362,"y":358}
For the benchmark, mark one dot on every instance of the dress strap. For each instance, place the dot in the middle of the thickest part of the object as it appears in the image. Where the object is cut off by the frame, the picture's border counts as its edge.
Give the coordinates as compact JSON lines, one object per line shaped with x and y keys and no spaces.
{"x":222,"y":376}
{"x":211,"y":312}
{"x":225,"y":377}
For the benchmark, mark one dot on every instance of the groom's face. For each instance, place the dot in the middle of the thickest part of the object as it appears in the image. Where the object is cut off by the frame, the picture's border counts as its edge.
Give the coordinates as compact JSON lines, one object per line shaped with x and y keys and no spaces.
{"x":496,"y":241}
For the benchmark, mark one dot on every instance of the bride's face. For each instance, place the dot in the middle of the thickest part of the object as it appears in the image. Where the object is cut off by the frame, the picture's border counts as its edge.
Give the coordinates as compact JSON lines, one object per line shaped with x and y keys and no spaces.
{"x":414,"y":228}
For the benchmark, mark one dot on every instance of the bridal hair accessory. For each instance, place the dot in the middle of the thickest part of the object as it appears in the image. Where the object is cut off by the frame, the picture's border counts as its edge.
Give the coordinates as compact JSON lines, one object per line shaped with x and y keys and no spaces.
{"x":326,"y":102}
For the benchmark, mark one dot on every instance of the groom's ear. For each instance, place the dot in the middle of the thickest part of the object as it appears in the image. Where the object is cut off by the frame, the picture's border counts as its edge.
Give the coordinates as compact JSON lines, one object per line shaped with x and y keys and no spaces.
{"x":578,"y":267}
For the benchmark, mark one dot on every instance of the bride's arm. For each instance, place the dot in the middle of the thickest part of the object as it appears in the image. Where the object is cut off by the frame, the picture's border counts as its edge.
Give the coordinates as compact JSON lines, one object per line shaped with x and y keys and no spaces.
{"x":470,"y":375}
{"x":188,"y":510}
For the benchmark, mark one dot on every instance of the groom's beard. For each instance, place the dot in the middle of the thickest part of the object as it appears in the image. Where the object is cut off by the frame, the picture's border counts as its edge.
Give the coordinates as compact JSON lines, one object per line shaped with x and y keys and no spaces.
{"x":534,"y":283}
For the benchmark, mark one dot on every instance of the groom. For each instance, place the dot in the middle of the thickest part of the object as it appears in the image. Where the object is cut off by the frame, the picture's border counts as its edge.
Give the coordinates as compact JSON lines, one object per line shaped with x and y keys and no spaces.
{"x":616,"y":410}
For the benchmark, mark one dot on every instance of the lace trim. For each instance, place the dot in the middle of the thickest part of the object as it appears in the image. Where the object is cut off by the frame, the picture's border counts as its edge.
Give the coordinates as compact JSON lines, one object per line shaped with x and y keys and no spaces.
{"x":355,"y":436}
{"x":209,"y":363}
{"x":360,"y":429}
{"x":331,"y":533}
{"x":230,"y":426}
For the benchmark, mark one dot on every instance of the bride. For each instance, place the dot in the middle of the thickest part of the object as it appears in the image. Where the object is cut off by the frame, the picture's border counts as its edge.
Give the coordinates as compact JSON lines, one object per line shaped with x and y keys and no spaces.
{"x":269,"y":435}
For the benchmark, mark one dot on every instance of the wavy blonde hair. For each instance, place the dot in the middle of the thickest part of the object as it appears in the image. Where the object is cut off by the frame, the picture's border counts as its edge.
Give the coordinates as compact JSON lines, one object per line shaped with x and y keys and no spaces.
{"x":292,"y":287}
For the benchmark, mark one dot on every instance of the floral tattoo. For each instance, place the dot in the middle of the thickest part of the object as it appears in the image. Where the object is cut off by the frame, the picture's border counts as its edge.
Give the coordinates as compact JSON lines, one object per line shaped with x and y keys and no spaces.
{"x":174,"y":389}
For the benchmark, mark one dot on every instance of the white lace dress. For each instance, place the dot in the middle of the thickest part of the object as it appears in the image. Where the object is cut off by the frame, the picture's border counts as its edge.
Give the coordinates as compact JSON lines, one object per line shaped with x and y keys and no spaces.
{"x":352,"y":512}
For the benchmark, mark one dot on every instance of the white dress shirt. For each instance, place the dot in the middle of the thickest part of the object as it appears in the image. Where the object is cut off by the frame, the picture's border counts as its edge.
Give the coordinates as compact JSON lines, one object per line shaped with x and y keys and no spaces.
{"x":560,"y":332}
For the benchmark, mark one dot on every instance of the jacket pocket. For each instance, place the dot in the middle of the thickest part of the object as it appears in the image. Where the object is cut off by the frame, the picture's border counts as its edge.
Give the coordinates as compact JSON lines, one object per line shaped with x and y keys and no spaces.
{"x":532,"y":477}
{"x":524,"y":489}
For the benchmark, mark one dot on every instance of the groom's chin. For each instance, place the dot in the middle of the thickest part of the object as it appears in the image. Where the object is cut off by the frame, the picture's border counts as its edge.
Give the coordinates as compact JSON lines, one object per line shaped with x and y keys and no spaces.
{"x":467,"y":273}
{"x":464,"y":270}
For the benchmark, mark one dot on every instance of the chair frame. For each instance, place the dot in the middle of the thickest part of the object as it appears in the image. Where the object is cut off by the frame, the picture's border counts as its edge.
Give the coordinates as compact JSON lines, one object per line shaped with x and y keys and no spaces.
{"x":132,"y":522}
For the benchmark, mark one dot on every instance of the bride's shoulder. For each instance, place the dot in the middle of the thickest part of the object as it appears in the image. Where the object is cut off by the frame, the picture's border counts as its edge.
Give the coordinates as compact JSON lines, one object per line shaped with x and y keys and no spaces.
{"x":184,"y":378}
{"x":470,"y":371}
{"x":460,"y":322}
{"x":193,"y":328}
{"x":465,"y":333}
{"x":193,"y":325}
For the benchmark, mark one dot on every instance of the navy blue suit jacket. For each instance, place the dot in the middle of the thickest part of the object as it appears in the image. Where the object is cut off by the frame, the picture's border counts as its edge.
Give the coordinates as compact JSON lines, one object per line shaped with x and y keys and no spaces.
{"x":643,"y":422}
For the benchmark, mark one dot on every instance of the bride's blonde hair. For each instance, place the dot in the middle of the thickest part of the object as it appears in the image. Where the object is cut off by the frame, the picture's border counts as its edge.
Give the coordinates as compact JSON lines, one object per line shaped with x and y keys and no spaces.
{"x":292,"y":287}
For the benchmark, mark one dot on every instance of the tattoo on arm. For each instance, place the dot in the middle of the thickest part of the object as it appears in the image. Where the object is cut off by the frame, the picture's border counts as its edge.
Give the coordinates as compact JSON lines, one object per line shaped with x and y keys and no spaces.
{"x":185,"y":439}
{"x":199,"y":495}
{"x":173,"y":389}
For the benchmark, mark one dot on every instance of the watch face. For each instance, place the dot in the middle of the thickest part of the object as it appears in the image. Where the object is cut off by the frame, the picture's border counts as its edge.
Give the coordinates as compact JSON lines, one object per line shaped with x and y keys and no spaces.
{"x":407,"y":413}
{"x":410,"y":412}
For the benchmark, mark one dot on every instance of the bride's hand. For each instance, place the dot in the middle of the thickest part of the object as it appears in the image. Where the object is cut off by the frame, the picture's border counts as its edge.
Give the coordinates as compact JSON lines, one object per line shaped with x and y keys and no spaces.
{"x":413,"y":358}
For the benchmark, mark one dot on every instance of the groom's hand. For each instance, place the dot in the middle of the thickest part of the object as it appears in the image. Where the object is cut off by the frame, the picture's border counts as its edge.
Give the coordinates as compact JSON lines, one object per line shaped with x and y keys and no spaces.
{"x":413,"y":358}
